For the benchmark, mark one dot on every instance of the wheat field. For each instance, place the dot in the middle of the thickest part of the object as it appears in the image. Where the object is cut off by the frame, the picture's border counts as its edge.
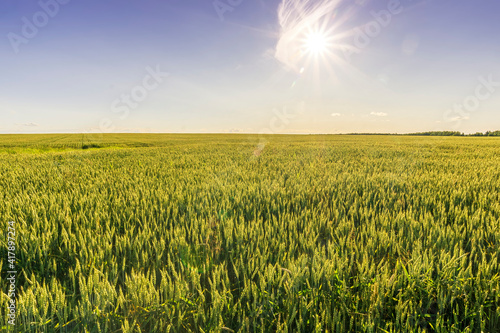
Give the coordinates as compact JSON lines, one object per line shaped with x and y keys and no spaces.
{"x":239,"y":233}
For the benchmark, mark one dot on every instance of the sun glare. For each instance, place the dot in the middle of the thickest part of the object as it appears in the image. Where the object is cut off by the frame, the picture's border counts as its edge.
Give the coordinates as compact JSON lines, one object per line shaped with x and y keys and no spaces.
{"x":316,"y":43}
{"x":312,"y":36}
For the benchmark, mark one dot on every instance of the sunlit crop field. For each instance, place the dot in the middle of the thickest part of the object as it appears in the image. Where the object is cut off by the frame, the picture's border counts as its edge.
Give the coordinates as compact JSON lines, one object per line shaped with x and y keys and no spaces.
{"x":223,"y":233}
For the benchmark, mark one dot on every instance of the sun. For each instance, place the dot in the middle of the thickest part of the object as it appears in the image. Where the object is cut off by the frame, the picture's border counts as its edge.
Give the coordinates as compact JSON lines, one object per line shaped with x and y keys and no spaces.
{"x":316,"y":43}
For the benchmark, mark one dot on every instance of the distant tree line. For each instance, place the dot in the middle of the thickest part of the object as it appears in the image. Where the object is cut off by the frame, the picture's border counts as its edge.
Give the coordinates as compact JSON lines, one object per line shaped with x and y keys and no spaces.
{"x":455,"y":133}
{"x":436,"y":133}
{"x":488,"y":133}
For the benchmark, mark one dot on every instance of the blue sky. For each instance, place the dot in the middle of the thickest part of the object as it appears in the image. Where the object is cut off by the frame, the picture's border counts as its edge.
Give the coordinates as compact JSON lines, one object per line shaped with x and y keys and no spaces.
{"x":187,"y":66}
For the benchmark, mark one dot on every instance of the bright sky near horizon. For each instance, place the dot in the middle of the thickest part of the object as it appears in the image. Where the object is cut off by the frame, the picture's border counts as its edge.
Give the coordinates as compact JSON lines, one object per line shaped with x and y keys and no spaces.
{"x":249,"y":66}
